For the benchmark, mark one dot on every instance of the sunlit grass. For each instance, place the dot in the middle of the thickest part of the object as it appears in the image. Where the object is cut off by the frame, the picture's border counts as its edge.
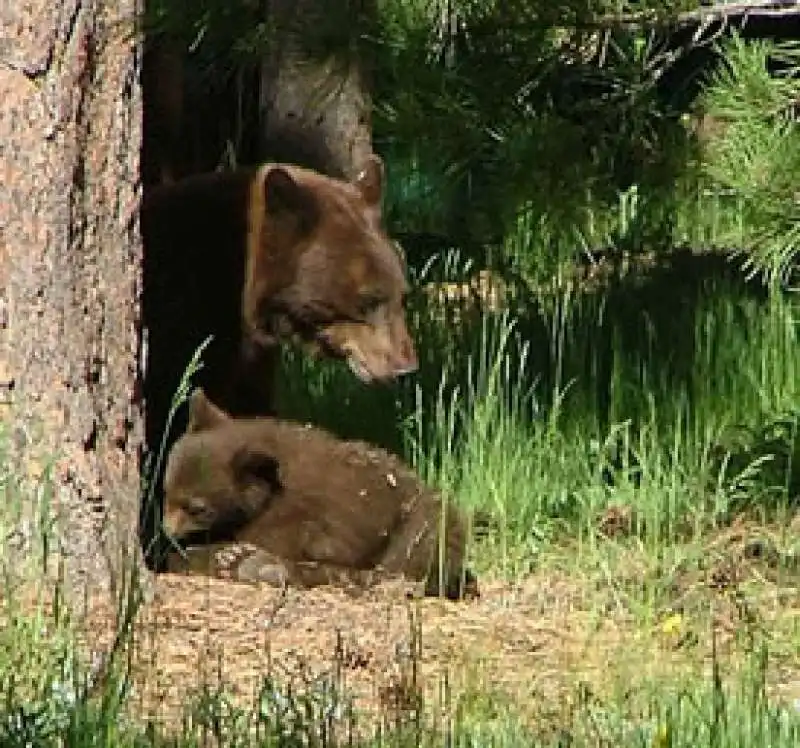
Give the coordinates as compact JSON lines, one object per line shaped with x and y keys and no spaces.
{"x":544,"y":473}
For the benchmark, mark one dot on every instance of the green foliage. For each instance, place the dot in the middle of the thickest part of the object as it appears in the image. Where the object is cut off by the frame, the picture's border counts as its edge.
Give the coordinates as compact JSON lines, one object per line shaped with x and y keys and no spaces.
{"x":543,"y":419}
{"x":528,"y":109}
{"x":757,"y":154}
{"x":535,"y":118}
{"x":763,"y":460}
{"x":522,"y":109}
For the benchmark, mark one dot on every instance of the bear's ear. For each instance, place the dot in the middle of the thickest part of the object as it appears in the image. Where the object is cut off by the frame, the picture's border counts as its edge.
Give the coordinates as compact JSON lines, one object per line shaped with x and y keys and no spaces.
{"x":285,"y":196}
{"x":203,"y":414}
{"x":251,"y":464}
{"x":369,"y":182}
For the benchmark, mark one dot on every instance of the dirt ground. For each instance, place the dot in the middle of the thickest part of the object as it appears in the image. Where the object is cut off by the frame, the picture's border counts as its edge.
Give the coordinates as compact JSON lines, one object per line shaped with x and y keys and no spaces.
{"x":531,"y":644}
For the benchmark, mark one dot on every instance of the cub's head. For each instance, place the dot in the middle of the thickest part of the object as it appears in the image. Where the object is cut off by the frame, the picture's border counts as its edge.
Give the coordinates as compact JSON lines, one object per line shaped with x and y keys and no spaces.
{"x":216,"y":479}
{"x":323,"y":269}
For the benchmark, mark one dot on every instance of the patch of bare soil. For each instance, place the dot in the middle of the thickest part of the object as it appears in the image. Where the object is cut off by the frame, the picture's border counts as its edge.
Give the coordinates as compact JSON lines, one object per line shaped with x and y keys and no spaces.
{"x":197,"y":630}
{"x":530,"y":644}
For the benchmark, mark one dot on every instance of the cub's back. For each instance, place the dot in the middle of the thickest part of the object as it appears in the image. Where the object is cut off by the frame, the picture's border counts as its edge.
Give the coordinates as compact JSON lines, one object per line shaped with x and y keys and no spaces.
{"x":312,"y":459}
{"x":341,"y":501}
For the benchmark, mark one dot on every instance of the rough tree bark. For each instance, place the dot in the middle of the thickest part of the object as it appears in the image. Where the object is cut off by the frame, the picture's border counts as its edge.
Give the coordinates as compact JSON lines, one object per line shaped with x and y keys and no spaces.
{"x":71,"y":264}
{"x":315,"y":100}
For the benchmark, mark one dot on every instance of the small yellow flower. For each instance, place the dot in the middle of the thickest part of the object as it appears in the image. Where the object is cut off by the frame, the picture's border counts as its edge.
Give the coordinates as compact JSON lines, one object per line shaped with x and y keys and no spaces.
{"x":672,"y":624}
{"x":661,"y":738}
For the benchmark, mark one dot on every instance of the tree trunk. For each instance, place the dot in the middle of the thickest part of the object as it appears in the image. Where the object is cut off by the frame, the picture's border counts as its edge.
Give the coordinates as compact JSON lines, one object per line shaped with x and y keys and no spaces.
{"x":315,"y":102}
{"x":71,"y":264}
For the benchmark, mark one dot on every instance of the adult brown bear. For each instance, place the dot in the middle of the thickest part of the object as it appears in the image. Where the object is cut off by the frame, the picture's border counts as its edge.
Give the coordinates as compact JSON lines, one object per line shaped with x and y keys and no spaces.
{"x":254,"y":256}
{"x":283,"y":502}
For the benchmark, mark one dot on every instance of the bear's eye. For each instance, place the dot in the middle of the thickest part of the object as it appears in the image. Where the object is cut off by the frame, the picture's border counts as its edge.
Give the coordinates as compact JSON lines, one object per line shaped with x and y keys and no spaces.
{"x":196,"y":506}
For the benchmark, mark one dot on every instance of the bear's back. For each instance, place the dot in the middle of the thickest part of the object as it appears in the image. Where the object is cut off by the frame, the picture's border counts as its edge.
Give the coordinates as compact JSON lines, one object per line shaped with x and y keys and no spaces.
{"x":195,"y":239}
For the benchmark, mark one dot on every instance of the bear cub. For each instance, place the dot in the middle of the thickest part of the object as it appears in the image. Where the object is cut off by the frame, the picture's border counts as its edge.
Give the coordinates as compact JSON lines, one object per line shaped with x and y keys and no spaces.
{"x":316,"y":508}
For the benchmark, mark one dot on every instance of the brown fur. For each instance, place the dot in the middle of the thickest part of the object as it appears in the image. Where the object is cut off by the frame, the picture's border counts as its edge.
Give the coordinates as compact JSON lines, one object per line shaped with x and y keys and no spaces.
{"x":324,"y":508}
{"x":259,"y":255}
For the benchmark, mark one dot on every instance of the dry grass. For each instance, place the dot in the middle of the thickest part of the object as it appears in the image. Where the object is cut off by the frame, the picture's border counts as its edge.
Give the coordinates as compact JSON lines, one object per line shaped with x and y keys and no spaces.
{"x":531,"y":644}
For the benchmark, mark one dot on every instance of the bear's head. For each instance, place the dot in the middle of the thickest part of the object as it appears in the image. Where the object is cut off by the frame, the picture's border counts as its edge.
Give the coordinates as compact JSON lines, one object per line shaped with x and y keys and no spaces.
{"x":217,"y":478}
{"x":323,"y":269}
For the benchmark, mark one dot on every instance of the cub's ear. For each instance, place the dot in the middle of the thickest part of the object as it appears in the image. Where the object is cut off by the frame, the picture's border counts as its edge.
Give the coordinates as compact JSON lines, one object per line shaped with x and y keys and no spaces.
{"x":203,"y":414}
{"x":370,"y":181}
{"x":284,"y":195}
{"x":250,"y":464}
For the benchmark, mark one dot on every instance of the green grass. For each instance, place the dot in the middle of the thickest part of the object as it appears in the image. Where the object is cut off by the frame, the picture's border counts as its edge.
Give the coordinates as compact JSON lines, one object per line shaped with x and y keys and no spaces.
{"x":655,"y":403}
{"x":695,"y":426}
{"x":673,"y":403}
{"x":50,"y":709}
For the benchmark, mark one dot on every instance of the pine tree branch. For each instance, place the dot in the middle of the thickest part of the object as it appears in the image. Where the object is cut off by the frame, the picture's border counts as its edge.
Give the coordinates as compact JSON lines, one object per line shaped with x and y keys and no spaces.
{"x":720,"y":11}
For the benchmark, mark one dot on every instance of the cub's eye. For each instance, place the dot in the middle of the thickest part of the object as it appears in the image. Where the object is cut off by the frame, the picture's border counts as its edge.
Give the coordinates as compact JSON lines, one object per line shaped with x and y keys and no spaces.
{"x":370,"y":303}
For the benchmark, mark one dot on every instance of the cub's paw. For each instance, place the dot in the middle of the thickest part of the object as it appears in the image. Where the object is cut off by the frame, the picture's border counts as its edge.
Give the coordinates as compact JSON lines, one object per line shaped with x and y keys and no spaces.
{"x":262,"y":567}
{"x":238,"y":562}
{"x":244,"y":562}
